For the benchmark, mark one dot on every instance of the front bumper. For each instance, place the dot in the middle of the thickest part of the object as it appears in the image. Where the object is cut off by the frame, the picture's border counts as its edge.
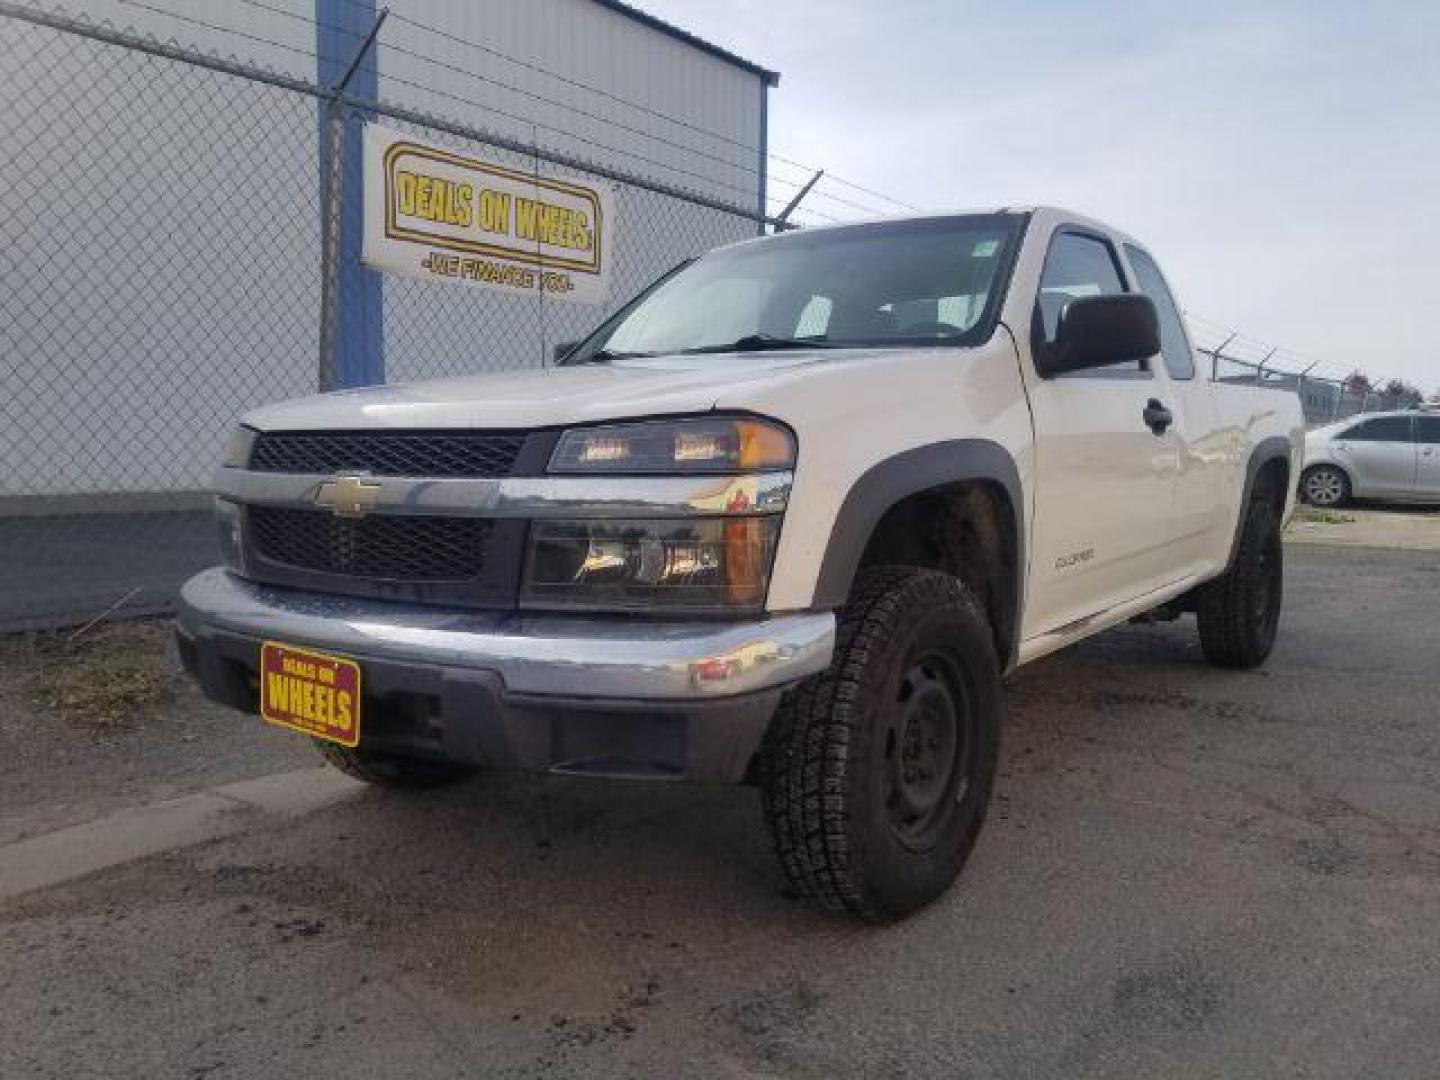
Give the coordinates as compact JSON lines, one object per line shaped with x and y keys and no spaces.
{"x":594,"y":694}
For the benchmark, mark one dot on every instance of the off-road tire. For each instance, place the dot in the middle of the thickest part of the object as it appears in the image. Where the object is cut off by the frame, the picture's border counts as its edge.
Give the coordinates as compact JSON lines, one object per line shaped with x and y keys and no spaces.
{"x":1239,"y":612}
{"x":392,"y":770}
{"x":829,"y":769}
{"x":1325,"y":486}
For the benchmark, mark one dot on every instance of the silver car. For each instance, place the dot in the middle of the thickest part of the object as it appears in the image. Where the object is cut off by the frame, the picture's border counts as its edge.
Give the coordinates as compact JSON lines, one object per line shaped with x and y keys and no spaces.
{"x":1393,"y":456}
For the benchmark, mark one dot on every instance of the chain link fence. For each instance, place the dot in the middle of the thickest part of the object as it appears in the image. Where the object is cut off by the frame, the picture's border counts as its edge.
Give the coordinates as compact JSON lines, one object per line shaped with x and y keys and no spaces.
{"x":1323,"y":399}
{"x":164,"y":221}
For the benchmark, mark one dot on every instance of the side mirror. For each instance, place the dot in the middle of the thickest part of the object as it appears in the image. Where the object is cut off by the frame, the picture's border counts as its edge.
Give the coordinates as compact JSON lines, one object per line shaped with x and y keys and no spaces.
{"x":559,"y":352}
{"x":1098,"y":330}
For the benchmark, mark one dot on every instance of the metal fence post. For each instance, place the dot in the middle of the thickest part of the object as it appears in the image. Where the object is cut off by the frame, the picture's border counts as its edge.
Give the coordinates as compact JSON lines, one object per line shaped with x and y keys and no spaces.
{"x":352,"y":333}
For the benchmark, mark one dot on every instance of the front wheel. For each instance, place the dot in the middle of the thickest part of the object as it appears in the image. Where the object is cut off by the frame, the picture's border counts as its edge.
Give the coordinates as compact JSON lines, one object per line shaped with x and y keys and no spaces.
{"x":1239,"y":612}
{"x":878,"y":772}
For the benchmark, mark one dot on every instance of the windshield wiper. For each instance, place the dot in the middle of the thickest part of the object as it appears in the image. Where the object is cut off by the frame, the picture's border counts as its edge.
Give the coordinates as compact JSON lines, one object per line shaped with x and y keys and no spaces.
{"x":604,"y":356}
{"x":762,"y":343}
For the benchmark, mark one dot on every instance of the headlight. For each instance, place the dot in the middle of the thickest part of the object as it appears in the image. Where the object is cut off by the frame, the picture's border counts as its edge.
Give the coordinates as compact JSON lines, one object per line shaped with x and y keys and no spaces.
{"x":708,"y":445}
{"x":236,"y":454}
{"x":703,"y":564}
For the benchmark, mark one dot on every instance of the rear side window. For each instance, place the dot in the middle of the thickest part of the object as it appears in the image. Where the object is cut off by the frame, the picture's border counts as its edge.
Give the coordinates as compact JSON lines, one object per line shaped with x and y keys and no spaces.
{"x":1381,"y":429}
{"x":1427,"y":429}
{"x":1077,"y":266}
{"x":1173,"y":344}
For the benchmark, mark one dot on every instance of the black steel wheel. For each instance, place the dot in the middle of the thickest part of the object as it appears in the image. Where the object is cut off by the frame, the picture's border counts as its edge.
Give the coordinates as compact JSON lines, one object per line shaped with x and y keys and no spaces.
{"x":877,"y":773}
{"x":926,"y":750}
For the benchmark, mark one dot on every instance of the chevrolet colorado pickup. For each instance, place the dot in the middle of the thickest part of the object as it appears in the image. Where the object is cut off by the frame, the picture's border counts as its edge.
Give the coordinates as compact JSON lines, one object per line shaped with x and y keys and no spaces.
{"x":787,"y":518}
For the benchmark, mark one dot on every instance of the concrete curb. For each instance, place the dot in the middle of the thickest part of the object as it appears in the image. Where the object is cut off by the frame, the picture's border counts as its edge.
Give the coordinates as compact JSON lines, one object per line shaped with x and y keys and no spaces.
{"x":136,"y":832}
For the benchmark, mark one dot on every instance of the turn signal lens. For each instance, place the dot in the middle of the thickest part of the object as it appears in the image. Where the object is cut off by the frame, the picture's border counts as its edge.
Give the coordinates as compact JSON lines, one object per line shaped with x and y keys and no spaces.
{"x":708,"y":445}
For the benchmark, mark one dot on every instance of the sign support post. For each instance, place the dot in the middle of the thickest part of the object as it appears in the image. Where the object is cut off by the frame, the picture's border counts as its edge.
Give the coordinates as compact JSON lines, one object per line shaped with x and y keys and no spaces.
{"x":352,"y":329}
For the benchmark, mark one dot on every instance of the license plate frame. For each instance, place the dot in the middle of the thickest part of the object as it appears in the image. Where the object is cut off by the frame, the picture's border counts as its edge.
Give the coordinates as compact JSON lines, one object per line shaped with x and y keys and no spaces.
{"x":315,"y":693}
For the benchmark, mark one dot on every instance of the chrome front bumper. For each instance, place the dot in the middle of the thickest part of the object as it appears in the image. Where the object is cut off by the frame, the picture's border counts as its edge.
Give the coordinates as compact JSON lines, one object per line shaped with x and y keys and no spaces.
{"x":539,"y":656}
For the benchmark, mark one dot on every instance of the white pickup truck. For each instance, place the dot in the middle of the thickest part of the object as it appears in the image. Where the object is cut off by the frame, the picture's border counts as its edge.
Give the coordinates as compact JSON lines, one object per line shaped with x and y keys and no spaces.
{"x":788,"y":518}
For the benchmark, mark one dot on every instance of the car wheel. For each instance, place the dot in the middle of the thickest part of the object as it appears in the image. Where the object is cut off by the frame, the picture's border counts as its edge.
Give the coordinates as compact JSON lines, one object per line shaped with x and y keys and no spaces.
{"x":392,"y":770}
{"x":1239,"y":612}
{"x":1325,"y":485}
{"x":877,"y":773}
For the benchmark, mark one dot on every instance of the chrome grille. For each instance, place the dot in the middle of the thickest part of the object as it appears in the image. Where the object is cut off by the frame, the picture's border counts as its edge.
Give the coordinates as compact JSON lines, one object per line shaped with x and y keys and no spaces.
{"x":378,"y":547}
{"x":389,"y":453}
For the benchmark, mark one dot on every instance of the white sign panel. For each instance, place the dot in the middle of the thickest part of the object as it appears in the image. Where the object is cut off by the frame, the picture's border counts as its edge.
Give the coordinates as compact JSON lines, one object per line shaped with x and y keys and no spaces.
{"x":434,"y":214}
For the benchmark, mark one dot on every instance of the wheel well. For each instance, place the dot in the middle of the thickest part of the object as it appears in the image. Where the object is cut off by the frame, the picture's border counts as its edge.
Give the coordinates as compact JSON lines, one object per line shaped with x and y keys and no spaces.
{"x":966,"y":529}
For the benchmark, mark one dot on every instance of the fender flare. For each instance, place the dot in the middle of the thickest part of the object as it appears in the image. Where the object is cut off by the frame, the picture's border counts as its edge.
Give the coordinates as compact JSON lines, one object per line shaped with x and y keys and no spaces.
{"x":887,"y":482}
{"x":1273,"y":448}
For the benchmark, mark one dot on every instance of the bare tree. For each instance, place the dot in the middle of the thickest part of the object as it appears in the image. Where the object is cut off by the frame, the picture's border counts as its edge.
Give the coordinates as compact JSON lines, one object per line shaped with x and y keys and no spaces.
{"x":1357,"y":382}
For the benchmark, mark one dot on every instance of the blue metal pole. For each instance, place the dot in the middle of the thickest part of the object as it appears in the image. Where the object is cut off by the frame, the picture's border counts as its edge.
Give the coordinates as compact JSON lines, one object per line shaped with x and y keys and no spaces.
{"x":359,"y":328}
{"x":762,"y":177}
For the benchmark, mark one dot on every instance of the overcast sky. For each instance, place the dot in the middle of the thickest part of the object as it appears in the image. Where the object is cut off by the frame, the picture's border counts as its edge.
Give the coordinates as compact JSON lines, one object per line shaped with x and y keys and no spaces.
{"x":1281,"y":160}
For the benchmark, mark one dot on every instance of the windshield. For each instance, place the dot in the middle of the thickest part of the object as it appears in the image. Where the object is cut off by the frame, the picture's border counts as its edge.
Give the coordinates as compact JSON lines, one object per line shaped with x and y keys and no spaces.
{"x":922,"y":282}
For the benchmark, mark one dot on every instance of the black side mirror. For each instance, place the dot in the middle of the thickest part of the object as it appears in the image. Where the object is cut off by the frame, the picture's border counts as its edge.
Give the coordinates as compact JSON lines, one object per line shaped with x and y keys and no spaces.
{"x":558,"y":353}
{"x":1098,"y":330}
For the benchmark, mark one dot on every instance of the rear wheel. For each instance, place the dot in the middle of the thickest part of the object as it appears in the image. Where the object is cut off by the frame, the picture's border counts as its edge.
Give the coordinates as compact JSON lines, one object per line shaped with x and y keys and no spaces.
{"x":878,"y":772}
{"x":392,"y":770}
{"x":1325,"y":485}
{"x":1239,"y":613}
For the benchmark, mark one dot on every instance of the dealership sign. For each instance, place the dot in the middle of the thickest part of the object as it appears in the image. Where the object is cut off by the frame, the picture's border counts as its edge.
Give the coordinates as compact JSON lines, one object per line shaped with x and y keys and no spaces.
{"x":434,"y":214}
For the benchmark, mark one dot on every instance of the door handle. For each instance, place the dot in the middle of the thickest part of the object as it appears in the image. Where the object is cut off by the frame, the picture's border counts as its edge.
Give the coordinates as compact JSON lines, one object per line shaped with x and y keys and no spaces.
{"x":1157,"y":416}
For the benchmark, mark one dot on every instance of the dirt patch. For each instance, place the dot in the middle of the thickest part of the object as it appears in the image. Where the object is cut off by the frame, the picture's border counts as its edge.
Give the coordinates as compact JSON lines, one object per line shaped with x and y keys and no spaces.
{"x":114,"y":676}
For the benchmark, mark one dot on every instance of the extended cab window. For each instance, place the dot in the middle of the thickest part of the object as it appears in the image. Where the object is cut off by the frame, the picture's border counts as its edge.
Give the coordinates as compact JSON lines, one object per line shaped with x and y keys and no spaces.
{"x":1427,"y":429}
{"x":1078,"y":265}
{"x":1381,"y":429}
{"x":1174,"y":346}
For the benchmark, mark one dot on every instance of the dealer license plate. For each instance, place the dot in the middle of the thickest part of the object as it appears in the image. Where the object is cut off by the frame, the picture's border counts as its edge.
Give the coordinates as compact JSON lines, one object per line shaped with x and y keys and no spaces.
{"x":310,"y":692}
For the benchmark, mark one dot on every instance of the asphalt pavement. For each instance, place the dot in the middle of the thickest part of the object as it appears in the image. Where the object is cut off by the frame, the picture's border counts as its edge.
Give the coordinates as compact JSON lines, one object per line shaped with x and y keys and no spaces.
{"x":1186,"y":873}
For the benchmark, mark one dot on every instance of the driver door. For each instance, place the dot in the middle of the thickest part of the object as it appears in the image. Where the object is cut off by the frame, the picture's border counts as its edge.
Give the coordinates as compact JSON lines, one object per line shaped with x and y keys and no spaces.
{"x":1105,"y":481}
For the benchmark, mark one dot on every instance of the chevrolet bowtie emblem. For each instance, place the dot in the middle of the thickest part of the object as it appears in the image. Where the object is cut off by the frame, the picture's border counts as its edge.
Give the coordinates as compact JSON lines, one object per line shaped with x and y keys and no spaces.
{"x":348,"y":496}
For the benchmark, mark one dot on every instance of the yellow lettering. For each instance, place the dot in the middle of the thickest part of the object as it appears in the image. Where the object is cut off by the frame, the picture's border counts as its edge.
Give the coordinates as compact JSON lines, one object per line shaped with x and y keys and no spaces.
{"x":342,"y":709}
{"x":278,"y":688}
{"x":405,"y":192}
{"x":494,"y":211}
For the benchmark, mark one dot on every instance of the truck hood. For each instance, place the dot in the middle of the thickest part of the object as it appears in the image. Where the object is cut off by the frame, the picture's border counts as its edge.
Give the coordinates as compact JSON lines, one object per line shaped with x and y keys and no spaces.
{"x":551,"y":397}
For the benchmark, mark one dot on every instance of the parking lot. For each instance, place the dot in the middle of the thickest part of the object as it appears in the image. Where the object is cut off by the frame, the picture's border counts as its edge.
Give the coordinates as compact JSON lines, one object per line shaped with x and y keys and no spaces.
{"x":1187,"y":872}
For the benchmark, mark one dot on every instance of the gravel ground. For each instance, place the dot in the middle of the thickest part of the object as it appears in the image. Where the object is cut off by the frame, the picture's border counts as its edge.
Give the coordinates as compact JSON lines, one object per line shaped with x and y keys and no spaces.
{"x":1187,"y":872}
